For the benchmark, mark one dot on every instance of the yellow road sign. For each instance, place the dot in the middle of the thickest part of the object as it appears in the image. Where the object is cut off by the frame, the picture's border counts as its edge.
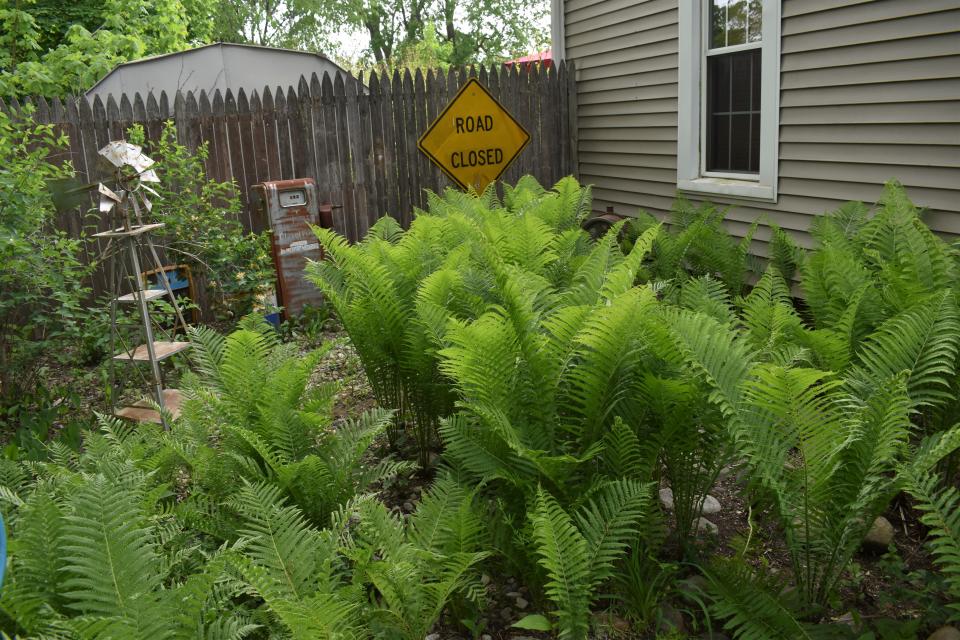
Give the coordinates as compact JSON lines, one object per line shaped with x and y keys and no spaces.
{"x":475,"y":139}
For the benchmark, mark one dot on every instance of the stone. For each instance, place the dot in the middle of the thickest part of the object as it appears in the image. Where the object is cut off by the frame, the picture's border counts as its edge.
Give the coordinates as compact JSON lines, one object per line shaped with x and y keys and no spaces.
{"x":945,"y":633}
{"x":506,"y":613}
{"x":521,"y":603}
{"x":666,"y":498}
{"x":484,"y":579}
{"x":710,"y":506}
{"x":692,"y":588}
{"x":433,"y":636}
{"x":670,"y":620}
{"x":705,"y":526}
{"x":880,"y":535}
{"x":407,"y":507}
{"x":486,"y":636}
{"x":512,"y":594}
{"x":608,"y":620}
{"x":621,"y":625}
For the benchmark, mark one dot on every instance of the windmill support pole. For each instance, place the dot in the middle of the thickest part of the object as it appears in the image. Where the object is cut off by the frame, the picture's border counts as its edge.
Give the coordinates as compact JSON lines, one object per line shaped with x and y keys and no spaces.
{"x":166,"y":283}
{"x":147,"y":329}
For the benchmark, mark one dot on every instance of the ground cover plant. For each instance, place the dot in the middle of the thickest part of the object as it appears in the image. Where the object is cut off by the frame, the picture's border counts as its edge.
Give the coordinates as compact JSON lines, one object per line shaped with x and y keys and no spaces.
{"x":568,"y":408}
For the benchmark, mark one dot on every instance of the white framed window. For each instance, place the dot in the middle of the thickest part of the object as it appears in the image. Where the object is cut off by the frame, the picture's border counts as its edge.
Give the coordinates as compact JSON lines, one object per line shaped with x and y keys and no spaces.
{"x":729,"y":98}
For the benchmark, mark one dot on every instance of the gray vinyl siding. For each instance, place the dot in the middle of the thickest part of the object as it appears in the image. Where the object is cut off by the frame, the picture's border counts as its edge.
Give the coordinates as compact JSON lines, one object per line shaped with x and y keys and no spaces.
{"x":869,"y":90}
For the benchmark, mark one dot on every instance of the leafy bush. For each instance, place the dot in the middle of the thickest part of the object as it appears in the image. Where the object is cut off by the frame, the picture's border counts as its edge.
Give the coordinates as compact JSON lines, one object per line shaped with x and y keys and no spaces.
{"x":253,"y":393}
{"x":201,"y":531}
{"x":42,"y":277}
{"x":567,"y":380}
{"x":202,"y":228}
{"x":392,"y":302}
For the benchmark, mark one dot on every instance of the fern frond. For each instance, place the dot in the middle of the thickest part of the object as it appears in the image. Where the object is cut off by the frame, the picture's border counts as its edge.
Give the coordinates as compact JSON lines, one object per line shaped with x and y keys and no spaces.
{"x":941,"y":512}
{"x":110,"y":561}
{"x":565,"y":555}
{"x":609,"y":521}
{"x":748,"y":604}
{"x":924,"y":341}
{"x":278,"y":539}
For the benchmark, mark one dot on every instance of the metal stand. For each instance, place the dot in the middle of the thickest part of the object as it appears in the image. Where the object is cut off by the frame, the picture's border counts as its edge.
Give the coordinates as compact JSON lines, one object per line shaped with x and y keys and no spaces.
{"x":126,"y":272}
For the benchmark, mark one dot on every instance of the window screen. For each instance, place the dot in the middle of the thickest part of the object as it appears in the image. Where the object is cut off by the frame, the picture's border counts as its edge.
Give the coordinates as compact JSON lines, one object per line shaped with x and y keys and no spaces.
{"x":733,"y":112}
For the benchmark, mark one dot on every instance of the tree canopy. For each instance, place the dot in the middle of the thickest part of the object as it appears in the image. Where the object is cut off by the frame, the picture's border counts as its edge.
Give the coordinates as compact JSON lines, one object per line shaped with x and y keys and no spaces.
{"x":52,"y":48}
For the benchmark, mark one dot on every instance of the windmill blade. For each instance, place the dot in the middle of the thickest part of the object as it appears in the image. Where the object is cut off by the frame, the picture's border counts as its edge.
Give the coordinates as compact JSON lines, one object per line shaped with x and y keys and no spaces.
{"x":69,"y":193}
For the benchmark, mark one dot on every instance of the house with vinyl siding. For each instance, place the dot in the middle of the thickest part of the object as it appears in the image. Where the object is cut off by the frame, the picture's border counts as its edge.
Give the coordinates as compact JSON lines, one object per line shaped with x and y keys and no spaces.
{"x":778,"y":108}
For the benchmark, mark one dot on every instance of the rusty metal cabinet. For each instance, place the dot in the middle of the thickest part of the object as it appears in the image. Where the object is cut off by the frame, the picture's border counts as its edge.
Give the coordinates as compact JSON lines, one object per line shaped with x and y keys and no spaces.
{"x":290,"y":207}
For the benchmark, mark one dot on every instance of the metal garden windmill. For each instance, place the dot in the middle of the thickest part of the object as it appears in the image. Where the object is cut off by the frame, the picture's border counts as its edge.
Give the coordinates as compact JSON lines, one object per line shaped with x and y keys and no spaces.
{"x":125,"y":202}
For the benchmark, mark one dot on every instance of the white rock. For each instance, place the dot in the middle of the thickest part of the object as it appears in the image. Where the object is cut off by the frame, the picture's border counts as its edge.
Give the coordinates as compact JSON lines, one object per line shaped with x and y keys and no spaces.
{"x":880,"y":535}
{"x":705,"y":526}
{"x":710,"y":506}
{"x":666,"y":498}
{"x":945,"y":633}
{"x":433,"y":636}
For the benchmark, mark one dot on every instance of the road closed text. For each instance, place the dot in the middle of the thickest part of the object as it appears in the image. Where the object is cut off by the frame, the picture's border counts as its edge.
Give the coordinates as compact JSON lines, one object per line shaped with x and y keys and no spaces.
{"x":476,"y":158}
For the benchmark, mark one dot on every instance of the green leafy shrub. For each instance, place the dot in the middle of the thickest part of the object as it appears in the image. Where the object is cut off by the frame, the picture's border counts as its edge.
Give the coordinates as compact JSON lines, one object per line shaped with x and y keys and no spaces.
{"x":253,"y":393}
{"x":42,"y":277}
{"x":394,"y":291}
{"x":213,"y":529}
{"x":202,"y":228}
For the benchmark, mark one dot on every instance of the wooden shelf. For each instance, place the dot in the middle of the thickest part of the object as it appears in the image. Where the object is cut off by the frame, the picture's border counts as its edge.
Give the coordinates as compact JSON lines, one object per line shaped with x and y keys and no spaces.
{"x":132,"y":231}
{"x":143,"y":410}
{"x":162,"y":349}
{"x":148,"y":294}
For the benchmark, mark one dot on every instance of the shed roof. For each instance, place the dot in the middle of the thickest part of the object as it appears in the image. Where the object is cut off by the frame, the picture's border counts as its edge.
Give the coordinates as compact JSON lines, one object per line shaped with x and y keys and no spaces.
{"x":220,"y":65}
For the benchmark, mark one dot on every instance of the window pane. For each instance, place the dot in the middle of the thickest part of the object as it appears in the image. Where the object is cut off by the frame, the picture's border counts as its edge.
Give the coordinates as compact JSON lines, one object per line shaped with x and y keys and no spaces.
{"x":734,"y":22}
{"x":740,"y":81}
{"x":733,"y":112}
{"x":755,"y":142}
{"x":718,"y":23}
{"x":740,"y":143}
{"x":754,"y":20}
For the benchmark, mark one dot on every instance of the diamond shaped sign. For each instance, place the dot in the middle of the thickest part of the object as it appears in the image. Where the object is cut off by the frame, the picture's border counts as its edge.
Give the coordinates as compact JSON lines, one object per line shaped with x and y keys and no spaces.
{"x":474,"y":139}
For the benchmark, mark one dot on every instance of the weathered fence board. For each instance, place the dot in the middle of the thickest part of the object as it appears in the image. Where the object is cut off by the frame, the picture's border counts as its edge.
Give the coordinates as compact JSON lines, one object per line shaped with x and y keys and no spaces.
{"x":357,"y":140}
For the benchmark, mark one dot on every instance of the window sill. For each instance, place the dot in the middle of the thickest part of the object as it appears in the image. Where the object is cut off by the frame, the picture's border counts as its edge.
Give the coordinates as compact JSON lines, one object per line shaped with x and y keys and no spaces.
{"x":745,"y":189}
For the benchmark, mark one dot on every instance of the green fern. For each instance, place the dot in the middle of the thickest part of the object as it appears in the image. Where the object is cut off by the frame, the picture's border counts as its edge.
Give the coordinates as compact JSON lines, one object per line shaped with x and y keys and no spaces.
{"x":565,"y":555}
{"x":941,"y":513}
{"x":749,"y":604}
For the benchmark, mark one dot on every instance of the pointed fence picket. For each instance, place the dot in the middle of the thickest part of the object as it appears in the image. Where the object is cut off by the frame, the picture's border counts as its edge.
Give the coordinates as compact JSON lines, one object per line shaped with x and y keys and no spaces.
{"x":357,"y":138}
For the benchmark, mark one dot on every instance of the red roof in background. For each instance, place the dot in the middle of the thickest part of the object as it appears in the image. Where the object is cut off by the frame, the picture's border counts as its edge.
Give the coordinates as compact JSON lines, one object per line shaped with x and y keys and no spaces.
{"x":543,"y":57}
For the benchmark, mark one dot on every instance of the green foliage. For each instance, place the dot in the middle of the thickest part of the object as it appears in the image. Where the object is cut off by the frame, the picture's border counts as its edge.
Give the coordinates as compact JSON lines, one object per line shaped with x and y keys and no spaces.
{"x":751,"y":605}
{"x":60,"y":50}
{"x":201,"y":532}
{"x":567,"y":380}
{"x":395,"y":291}
{"x":457,"y":33}
{"x":274,"y":428}
{"x":42,"y":276}
{"x":578,"y":553}
{"x":941,"y":512}
{"x":202,"y":228}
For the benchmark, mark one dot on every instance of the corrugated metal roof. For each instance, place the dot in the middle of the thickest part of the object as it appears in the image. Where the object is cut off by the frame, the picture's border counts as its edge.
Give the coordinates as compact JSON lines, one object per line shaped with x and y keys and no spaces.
{"x":218,"y":66}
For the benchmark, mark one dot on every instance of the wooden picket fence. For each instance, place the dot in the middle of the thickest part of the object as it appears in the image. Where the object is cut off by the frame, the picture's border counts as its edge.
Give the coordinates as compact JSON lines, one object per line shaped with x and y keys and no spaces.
{"x":356,"y":138}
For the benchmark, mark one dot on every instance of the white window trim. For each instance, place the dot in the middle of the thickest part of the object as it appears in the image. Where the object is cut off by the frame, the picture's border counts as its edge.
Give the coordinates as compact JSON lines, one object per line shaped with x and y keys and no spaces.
{"x":691,"y":104}
{"x":558,"y":44}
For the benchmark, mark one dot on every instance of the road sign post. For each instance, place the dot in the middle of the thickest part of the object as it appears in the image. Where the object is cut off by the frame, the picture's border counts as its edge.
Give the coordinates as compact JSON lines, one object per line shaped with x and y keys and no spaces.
{"x":474,"y":139}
